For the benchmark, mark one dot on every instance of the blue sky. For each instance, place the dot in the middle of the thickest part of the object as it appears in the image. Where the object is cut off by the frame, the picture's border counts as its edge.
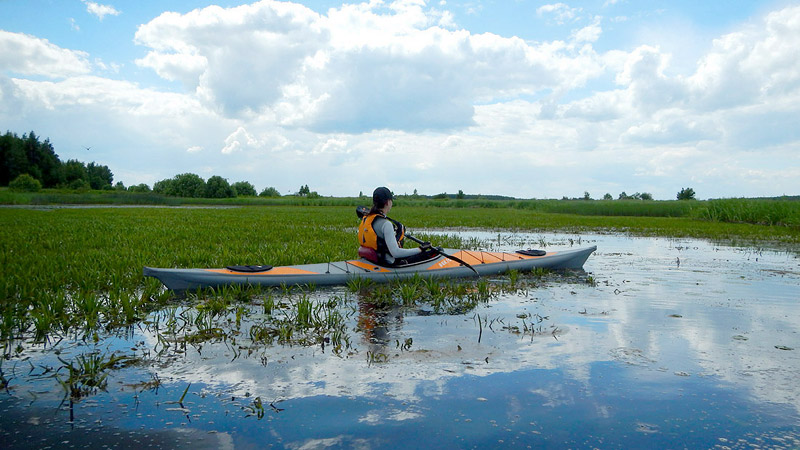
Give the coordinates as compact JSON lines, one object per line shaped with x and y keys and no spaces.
{"x":532,"y":99}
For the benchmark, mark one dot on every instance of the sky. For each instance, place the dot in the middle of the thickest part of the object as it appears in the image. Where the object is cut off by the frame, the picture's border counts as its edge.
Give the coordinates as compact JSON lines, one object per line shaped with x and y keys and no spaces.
{"x":530,"y":99}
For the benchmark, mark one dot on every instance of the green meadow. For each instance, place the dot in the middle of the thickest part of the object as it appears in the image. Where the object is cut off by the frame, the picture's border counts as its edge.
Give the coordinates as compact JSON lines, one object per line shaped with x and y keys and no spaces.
{"x":80,"y":269}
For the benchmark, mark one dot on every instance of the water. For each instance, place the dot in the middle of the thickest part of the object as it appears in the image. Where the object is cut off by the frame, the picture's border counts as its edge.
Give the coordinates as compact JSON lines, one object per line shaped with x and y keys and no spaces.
{"x":663,"y":343}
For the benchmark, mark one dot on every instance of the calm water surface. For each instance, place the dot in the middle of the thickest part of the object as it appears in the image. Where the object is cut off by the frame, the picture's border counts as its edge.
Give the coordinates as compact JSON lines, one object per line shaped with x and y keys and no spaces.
{"x":663,"y":343}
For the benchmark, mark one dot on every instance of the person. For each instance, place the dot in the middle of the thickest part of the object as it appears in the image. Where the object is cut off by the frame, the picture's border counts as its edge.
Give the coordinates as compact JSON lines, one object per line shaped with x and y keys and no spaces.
{"x":384,"y":236}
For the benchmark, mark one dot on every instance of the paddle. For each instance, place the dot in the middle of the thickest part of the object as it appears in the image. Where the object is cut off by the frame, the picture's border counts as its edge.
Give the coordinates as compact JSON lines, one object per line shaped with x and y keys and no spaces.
{"x":362,"y":211}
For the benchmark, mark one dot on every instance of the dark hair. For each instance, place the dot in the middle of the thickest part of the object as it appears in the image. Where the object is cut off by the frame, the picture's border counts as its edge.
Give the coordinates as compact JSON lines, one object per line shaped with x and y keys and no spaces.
{"x":380,"y":197}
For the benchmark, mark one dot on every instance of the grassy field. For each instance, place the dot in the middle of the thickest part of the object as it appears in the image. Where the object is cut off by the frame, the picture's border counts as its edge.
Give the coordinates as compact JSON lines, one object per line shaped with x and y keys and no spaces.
{"x":779,"y":212}
{"x":81,"y":268}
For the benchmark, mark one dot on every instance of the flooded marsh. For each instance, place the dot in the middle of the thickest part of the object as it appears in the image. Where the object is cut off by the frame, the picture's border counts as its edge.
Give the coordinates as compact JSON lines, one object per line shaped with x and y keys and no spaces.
{"x":659,"y":343}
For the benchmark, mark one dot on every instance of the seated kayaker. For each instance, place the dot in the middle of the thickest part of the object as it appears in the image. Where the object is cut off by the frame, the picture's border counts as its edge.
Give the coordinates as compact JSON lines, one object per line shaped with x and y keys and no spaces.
{"x":381,"y":239}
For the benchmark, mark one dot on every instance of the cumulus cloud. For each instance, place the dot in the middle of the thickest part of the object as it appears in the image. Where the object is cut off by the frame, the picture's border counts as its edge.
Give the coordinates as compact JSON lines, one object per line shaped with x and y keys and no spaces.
{"x":650,"y":87}
{"x":362,"y":67}
{"x":100,"y":11}
{"x":758,"y":62}
{"x":29,"y":55}
{"x":238,"y":140}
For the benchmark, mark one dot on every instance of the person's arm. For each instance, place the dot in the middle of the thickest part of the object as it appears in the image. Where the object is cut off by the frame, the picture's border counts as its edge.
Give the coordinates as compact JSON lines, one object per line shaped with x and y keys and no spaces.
{"x":391,"y":243}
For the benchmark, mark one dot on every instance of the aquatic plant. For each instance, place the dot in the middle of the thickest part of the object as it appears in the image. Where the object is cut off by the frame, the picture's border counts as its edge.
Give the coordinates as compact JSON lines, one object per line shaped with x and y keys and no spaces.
{"x":358,"y":284}
{"x":88,"y":373}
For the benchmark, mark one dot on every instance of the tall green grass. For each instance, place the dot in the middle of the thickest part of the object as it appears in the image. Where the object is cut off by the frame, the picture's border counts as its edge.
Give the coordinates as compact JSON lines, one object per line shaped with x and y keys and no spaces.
{"x":781,"y":212}
{"x":90,"y":261}
{"x":762,"y":212}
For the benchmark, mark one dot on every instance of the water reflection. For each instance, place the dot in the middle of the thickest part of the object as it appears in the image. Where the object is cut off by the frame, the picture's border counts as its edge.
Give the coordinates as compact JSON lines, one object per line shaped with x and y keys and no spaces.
{"x":662,"y":341}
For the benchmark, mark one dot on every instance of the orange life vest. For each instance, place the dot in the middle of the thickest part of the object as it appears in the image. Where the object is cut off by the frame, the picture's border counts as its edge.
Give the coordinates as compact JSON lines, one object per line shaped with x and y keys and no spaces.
{"x":368,"y":238}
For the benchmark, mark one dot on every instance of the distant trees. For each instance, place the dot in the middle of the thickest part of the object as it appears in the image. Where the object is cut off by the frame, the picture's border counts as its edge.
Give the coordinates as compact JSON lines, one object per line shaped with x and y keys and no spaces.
{"x":141,"y":188}
{"x":608,"y":196}
{"x":100,"y":177}
{"x":636,"y":196}
{"x":74,"y":170}
{"x":244,"y":189}
{"x":193,"y":186}
{"x":305,"y":191}
{"x":32,"y":164}
{"x":686,"y":194}
{"x":25,"y":183}
{"x":218,"y":187}
{"x":27,"y":155}
{"x":269,"y":192}
{"x":182,"y":185}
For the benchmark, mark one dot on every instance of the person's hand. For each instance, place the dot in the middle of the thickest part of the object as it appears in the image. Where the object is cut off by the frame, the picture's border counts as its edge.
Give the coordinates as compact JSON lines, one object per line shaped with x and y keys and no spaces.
{"x":425,"y":246}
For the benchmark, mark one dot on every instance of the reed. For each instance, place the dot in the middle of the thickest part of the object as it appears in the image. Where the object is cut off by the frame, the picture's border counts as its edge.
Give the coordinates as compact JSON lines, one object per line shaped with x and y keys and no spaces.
{"x":762,"y":212}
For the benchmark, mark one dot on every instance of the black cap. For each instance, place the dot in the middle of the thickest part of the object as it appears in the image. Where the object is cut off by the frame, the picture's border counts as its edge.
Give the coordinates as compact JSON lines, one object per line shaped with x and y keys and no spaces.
{"x":382,"y":195}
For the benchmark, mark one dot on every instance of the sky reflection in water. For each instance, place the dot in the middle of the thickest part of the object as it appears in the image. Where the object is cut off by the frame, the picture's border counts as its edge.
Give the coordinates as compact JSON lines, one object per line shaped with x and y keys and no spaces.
{"x":679,"y":343}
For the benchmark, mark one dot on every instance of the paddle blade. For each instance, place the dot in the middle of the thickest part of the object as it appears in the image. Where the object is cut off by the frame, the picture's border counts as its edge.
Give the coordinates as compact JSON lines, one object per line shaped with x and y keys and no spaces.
{"x":361,"y":211}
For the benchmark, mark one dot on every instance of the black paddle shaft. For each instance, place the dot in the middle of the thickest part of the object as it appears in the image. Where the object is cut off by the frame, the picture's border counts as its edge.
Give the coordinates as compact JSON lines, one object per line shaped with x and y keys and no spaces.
{"x":362,"y":211}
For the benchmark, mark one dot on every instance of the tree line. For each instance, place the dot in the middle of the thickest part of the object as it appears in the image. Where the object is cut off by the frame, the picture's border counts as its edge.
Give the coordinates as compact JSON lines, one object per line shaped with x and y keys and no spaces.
{"x":193,"y":185}
{"x":27,"y":164}
{"x":26,"y":155}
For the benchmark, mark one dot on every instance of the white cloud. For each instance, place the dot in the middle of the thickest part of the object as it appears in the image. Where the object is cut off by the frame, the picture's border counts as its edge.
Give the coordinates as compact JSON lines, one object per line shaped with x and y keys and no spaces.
{"x":754,"y":64}
{"x":361,"y":67}
{"x":650,"y":88}
{"x":590,"y":33}
{"x":452,"y":141}
{"x":239,"y":140}
{"x":29,"y":55}
{"x":332,"y":145}
{"x":101,"y":11}
{"x":560,"y":12}
{"x":672,"y":127}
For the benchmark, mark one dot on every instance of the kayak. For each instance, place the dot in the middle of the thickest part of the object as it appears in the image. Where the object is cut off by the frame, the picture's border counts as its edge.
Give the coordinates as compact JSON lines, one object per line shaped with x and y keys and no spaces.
{"x":341,"y":272}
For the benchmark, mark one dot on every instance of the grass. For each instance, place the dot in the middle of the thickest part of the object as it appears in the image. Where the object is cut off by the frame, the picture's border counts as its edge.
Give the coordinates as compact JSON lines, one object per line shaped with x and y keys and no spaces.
{"x":784,"y":211}
{"x":67,"y":270}
{"x":762,"y":212}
